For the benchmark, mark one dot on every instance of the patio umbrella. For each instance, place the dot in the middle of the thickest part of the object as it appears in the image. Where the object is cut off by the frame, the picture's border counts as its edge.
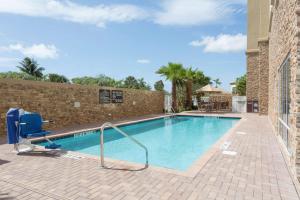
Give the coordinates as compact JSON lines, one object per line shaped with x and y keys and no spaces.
{"x":208,"y":89}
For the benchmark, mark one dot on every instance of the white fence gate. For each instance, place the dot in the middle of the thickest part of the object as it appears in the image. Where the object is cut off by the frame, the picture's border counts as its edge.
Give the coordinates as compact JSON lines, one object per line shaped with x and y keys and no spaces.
{"x":168,"y":103}
{"x":239,"y":104}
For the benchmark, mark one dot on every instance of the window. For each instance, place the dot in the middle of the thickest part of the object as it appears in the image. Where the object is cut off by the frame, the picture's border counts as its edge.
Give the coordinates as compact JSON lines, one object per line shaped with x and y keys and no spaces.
{"x":284,"y":101}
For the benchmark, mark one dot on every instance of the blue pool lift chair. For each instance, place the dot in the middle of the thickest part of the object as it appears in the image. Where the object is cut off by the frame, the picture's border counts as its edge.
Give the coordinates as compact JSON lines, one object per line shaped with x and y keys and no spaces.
{"x":21,"y":126}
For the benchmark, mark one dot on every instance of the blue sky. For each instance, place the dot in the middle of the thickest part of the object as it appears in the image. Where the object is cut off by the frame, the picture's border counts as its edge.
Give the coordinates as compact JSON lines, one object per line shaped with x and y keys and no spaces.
{"x":129,"y":37}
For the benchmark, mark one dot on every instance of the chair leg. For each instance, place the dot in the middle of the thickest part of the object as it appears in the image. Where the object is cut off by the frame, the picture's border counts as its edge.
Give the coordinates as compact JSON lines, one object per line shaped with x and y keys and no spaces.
{"x":16,"y":147}
{"x":23,"y":146}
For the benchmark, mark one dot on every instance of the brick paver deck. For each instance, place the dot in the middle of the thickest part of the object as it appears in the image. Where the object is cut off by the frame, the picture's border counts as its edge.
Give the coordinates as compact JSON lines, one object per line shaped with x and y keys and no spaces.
{"x":258,"y":171}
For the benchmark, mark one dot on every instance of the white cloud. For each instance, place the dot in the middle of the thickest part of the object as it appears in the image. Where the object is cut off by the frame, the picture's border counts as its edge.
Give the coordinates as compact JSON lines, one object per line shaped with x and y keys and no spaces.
{"x":222,"y":43}
{"x":36,"y":50}
{"x":171,"y":12}
{"x":143,"y":61}
{"x":7,"y":62}
{"x":196,"y":12}
{"x":66,"y":10}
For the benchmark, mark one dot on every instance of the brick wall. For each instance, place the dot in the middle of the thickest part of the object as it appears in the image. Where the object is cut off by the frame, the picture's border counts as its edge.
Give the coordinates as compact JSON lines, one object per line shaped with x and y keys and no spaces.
{"x":56,"y":101}
{"x":252,"y":76}
{"x":258,"y":76}
{"x":284,"y":40}
{"x":263,"y":62}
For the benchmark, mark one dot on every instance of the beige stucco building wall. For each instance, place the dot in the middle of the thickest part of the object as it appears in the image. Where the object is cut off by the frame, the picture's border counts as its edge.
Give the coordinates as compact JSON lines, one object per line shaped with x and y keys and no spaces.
{"x":253,"y":25}
{"x":258,"y":23}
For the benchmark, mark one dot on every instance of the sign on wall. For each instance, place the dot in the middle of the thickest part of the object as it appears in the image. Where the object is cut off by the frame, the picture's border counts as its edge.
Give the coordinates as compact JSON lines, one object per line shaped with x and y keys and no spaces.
{"x":110,"y":96}
{"x":117,"y":96}
{"x":104,"y":96}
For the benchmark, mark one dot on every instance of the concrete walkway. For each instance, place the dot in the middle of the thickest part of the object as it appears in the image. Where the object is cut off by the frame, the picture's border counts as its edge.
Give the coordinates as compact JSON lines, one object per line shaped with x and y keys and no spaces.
{"x":258,"y":171}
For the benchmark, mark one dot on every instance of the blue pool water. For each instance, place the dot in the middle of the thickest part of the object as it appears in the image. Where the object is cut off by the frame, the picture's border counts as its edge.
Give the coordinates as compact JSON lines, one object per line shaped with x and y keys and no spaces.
{"x":172,"y":142}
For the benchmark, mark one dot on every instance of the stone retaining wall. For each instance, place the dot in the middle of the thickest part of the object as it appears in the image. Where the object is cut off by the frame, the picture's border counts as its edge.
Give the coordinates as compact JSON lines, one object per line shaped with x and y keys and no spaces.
{"x":56,"y":101}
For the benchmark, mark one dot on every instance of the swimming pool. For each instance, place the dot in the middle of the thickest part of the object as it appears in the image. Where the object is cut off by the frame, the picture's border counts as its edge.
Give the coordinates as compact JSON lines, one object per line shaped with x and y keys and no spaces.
{"x":174,"y":143}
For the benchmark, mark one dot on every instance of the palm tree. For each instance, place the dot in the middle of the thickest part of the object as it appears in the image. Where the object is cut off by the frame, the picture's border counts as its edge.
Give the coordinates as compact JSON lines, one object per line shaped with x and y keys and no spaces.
{"x":31,"y":67}
{"x":173,"y":72}
{"x":217,"y":82}
{"x":189,"y":77}
{"x":193,"y":77}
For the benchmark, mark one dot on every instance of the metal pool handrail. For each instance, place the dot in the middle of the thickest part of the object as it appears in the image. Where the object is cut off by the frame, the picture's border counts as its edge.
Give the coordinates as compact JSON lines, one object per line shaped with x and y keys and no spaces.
{"x":108,"y":124}
{"x":172,"y":113}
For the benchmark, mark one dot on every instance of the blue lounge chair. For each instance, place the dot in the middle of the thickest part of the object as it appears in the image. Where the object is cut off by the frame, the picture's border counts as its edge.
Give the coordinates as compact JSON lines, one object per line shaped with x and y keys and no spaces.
{"x":23,"y":126}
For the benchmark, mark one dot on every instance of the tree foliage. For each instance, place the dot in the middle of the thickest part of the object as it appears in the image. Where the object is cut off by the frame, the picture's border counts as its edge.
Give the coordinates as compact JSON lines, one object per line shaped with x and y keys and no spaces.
{"x":31,"y":67}
{"x":142,"y":84}
{"x":159,"y":85}
{"x":241,"y":83}
{"x":17,"y":75}
{"x":134,"y":83}
{"x":57,"y":78}
{"x":199,"y":80}
{"x":179,"y":76}
{"x":131,"y":82}
{"x":102,"y":80}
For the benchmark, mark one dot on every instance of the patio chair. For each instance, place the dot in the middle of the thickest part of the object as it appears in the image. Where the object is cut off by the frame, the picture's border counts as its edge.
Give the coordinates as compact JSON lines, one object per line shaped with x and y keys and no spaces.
{"x":201,"y":106}
{"x":22,"y":126}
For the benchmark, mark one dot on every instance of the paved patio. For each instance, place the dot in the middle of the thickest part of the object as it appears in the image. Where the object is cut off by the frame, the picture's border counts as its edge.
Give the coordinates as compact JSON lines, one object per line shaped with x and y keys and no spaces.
{"x":258,"y":171}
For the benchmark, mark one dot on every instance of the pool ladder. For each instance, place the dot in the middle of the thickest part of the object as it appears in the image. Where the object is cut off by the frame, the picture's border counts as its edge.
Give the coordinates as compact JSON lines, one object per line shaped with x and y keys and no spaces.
{"x":108,"y":124}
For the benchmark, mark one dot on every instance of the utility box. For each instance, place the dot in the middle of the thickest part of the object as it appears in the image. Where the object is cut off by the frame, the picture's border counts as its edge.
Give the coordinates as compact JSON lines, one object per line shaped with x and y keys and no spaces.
{"x":252,"y":107}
